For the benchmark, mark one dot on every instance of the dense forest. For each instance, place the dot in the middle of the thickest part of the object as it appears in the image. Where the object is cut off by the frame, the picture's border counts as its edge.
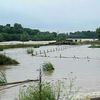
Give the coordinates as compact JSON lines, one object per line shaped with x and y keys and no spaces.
{"x":19,"y":33}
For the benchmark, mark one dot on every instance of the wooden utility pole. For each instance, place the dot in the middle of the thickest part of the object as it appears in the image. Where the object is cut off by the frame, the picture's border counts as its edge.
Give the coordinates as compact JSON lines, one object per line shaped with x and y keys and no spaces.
{"x":40,"y":84}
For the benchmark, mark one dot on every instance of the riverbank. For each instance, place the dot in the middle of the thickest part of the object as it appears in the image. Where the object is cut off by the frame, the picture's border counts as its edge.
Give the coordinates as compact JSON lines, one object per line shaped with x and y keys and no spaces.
{"x":19,"y":44}
{"x":94,"y":46}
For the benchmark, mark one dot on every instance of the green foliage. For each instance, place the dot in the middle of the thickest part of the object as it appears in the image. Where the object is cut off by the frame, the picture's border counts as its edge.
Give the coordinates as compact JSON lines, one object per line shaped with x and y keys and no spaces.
{"x":17,"y":33}
{"x":1,"y":49}
{"x":24,"y":36}
{"x":33,"y":93}
{"x":98,"y":32}
{"x":2,"y":78}
{"x":83,"y":34}
{"x":4,"y":60}
{"x":47,"y":67}
{"x":1,"y":37}
{"x":61,"y":37}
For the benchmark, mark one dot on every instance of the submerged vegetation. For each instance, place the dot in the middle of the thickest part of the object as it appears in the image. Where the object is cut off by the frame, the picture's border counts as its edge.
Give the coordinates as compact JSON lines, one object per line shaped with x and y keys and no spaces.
{"x":5,"y":60}
{"x":1,"y":49}
{"x":30,"y":51}
{"x":48,"y":66}
{"x":2,"y":78}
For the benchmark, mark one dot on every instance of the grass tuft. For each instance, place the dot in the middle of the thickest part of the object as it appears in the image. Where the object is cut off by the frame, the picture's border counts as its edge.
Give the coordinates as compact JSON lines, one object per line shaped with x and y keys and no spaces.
{"x":2,"y":78}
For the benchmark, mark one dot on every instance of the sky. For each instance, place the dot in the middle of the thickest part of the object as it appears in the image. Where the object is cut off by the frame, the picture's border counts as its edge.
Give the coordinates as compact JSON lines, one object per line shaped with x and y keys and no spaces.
{"x":52,"y":15}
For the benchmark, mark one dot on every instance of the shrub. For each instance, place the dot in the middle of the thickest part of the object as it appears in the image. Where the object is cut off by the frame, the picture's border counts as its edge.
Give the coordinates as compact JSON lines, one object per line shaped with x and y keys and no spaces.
{"x":47,"y":67}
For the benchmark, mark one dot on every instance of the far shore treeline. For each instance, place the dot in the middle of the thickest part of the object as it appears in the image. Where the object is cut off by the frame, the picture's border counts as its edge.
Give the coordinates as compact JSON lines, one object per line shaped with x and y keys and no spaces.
{"x":18,"y":33}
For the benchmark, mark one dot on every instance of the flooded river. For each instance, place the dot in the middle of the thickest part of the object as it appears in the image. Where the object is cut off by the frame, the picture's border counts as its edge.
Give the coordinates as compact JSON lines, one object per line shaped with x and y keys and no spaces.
{"x":84,"y":62}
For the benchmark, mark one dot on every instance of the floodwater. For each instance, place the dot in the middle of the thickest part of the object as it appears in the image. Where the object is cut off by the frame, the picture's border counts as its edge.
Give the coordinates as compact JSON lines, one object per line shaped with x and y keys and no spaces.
{"x":84,"y":62}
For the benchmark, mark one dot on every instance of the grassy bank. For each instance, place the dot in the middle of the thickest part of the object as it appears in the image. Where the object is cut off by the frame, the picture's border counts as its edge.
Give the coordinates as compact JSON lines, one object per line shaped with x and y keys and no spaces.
{"x":1,"y":49}
{"x":20,"y":46}
{"x":4,"y":60}
{"x":94,"y":46}
{"x":97,"y":42}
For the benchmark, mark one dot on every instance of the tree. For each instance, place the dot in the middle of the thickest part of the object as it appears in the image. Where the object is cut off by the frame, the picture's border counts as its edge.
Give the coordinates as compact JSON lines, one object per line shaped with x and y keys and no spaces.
{"x":1,"y":37}
{"x":6,"y":29}
{"x":98,"y":32}
{"x":24,"y":37}
{"x":1,"y":28}
{"x":61,"y":37}
{"x":18,"y":28}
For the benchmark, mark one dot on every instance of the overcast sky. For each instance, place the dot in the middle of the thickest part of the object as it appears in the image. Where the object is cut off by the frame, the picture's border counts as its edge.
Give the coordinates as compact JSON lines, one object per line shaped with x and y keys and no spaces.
{"x":52,"y":15}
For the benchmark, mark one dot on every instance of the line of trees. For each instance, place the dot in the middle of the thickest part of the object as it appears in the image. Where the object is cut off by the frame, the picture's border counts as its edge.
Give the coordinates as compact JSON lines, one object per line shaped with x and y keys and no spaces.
{"x":19,"y":33}
{"x":98,"y":32}
{"x":84,"y":34}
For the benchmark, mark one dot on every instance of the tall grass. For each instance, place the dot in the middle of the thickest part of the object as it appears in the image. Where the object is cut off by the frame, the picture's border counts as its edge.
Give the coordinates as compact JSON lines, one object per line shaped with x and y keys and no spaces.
{"x":2,"y":78}
{"x":33,"y":93}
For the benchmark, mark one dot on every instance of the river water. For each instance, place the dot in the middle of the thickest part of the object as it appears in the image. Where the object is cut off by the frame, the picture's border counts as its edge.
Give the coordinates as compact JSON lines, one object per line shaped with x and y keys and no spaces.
{"x":84,"y":62}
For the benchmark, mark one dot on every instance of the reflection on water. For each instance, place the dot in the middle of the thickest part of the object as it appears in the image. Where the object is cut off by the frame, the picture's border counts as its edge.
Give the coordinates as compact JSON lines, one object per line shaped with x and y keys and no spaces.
{"x":87,"y":70}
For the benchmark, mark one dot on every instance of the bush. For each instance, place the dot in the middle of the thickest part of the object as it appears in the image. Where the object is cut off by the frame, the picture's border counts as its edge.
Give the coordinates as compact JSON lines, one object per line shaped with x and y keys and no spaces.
{"x":47,"y":67}
{"x":33,"y":93}
{"x":4,"y":60}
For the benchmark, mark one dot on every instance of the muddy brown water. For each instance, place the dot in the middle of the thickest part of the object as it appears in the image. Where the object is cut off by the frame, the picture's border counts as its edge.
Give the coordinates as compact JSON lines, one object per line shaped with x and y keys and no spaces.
{"x":84,"y":62}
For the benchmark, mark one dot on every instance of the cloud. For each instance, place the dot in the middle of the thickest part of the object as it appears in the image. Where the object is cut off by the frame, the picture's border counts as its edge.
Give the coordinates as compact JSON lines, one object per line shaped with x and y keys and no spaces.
{"x":63,"y":15}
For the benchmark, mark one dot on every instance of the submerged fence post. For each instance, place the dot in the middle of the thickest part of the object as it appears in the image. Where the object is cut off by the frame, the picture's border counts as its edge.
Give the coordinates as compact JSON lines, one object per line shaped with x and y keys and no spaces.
{"x":36,"y":53}
{"x":56,"y":49}
{"x":60,"y":56}
{"x":47,"y":50}
{"x":40,"y":52}
{"x":53,"y":50}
